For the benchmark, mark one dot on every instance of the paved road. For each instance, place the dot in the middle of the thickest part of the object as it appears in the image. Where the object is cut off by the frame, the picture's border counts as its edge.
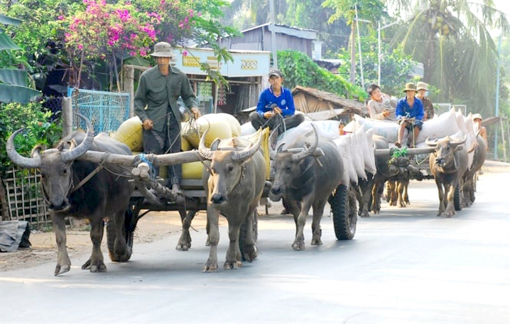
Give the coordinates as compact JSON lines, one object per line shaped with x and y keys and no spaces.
{"x":404,"y":266}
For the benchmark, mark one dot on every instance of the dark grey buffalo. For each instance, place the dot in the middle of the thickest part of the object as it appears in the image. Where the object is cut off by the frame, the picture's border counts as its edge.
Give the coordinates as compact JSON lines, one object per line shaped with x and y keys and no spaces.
{"x":105,"y":195}
{"x":234,"y":187}
{"x":396,"y":171}
{"x":448,"y":165}
{"x":305,"y":178}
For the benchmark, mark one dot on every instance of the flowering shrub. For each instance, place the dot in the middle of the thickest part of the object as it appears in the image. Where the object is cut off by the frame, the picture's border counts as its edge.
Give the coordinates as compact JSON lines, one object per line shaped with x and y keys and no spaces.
{"x":105,"y":29}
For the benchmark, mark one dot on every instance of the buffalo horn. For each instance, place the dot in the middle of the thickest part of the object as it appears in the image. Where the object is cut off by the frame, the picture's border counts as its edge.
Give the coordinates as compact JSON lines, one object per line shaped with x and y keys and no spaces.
{"x":204,"y":151}
{"x":310,"y":150}
{"x":430,"y":143}
{"x":458,"y":141}
{"x":81,"y":149}
{"x":248,"y":152}
{"x":16,"y":158}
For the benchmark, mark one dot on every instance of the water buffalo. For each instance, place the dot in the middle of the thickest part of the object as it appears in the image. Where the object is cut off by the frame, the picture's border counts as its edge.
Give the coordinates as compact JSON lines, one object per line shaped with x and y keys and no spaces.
{"x":234,"y":187}
{"x":105,"y":195}
{"x":448,"y":165}
{"x":480,"y":151}
{"x":306,"y":178}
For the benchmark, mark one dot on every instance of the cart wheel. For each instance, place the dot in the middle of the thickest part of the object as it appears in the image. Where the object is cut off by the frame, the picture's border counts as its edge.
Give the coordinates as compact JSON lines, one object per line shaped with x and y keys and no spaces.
{"x":344,"y":219}
{"x":457,"y":199}
{"x":249,"y":253}
{"x":130,"y":221}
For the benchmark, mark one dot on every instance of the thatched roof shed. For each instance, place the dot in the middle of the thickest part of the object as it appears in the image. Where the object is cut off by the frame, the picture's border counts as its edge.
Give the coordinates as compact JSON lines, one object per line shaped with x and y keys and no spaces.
{"x":309,"y":100}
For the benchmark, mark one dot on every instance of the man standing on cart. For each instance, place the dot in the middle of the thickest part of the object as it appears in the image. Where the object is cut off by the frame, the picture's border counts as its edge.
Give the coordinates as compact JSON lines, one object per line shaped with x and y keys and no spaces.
{"x":409,"y":113}
{"x":156,"y":104}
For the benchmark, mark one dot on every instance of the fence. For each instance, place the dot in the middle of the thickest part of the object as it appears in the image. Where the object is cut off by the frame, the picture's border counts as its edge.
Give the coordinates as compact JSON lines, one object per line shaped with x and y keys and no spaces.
{"x":106,"y":110}
{"x":24,"y":198}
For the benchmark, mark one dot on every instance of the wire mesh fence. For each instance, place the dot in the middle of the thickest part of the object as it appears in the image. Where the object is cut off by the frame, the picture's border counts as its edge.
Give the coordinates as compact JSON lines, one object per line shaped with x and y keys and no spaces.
{"x":106,"y":110}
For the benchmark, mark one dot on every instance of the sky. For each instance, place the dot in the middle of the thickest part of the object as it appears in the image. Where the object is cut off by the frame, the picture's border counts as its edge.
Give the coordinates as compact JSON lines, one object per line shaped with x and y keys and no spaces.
{"x":503,"y":5}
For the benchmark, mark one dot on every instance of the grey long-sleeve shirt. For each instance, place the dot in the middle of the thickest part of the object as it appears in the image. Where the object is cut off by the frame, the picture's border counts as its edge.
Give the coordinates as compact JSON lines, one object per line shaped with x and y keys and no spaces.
{"x":157,"y":94}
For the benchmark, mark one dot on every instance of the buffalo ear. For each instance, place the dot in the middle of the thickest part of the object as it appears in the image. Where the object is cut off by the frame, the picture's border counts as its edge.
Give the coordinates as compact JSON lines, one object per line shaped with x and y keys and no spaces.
{"x":459,"y":148}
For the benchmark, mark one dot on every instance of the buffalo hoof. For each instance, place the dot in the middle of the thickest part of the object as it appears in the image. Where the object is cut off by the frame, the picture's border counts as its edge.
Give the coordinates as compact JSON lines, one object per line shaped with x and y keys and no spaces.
{"x":210,"y":266}
{"x":183,"y":246}
{"x":184,"y":243}
{"x":99,"y":267}
{"x":59,"y":269}
{"x":316,"y":241}
{"x":298,"y":245}
{"x":250,"y":253}
{"x":229,"y":265}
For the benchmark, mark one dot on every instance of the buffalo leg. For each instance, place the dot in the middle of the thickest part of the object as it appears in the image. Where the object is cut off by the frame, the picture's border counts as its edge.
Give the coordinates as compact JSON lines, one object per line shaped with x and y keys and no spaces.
{"x":120,"y":248}
{"x":441,"y":195}
{"x":63,"y":261}
{"x":184,"y":242}
{"x":318,"y":211}
{"x":299,"y":241}
{"x":295,"y":210}
{"x":214,"y":237}
{"x":96,"y":261}
{"x":233,"y":258}
{"x":249,"y":248}
{"x":450,"y":193}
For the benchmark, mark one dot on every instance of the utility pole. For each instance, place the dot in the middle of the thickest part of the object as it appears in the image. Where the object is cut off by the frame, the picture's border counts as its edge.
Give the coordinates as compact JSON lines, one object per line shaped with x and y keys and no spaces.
{"x":273,"y":36}
{"x":497,"y":99}
{"x":379,"y":28}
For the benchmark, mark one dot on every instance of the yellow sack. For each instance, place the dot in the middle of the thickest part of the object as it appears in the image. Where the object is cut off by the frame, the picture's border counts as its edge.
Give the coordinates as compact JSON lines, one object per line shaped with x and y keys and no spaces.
{"x":130,"y":133}
{"x":217,"y":126}
{"x":185,"y":145}
{"x":190,"y":170}
{"x":235,"y":126}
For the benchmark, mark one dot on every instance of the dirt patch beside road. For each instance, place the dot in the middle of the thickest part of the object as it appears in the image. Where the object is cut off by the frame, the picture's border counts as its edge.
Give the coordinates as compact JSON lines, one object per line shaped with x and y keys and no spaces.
{"x":152,"y":227}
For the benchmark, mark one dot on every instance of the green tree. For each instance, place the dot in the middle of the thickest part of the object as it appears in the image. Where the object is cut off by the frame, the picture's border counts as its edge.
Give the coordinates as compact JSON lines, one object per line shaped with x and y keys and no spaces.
{"x":300,"y":70}
{"x":396,"y":66}
{"x":311,"y":15}
{"x":14,"y":82}
{"x":452,"y":40}
{"x":371,"y":10}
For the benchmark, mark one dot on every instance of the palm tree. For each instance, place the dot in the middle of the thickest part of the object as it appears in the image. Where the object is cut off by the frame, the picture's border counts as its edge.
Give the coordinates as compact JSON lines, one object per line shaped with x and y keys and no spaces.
{"x":372,"y":10}
{"x":452,"y":40}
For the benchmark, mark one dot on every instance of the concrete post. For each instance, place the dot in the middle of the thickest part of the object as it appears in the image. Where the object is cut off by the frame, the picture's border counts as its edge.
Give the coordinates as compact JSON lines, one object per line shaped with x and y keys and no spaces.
{"x":67,"y":116}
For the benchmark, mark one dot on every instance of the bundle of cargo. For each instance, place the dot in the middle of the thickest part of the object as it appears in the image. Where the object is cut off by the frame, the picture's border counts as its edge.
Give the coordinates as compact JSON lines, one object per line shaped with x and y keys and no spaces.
{"x":219,"y":125}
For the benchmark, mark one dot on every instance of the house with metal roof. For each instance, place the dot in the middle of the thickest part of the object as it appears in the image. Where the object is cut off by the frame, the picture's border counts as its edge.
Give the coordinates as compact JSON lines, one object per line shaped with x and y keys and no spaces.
{"x":258,"y":38}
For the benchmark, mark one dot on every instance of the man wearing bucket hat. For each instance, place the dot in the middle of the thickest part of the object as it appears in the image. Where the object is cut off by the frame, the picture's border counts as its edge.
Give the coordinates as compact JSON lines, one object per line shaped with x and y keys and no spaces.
{"x":156,"y":104}
{"x":477,"y":119}
{"x":428,"y":108}
{"x":409,"y":114}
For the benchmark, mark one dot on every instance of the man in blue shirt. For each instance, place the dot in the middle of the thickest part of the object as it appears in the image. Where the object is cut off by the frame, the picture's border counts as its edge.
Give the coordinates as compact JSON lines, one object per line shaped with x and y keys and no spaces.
{"x":409,"y":114}
{"x":276,"y":106}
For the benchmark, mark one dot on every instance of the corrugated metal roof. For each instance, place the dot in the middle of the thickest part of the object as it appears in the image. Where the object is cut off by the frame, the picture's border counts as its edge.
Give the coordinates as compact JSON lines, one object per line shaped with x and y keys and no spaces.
{"x":354,"y":106}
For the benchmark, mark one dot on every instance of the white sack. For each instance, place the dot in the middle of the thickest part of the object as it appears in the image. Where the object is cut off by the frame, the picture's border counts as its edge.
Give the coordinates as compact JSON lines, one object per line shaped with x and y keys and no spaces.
{"x":357,"y":158}
{"x":385,"y":128}
{"x":442,"y":126}
{"x":247,"y":129}
{"x":344,"y":145}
